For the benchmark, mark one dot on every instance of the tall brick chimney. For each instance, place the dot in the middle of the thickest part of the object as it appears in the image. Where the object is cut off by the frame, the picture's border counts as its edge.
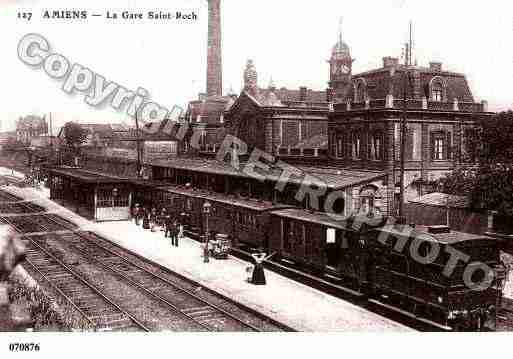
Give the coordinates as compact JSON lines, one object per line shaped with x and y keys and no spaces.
{"x":214,"y":57}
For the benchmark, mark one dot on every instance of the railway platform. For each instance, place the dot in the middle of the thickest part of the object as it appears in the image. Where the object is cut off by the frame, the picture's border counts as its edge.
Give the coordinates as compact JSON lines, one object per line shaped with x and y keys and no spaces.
{"x":296,"y":305}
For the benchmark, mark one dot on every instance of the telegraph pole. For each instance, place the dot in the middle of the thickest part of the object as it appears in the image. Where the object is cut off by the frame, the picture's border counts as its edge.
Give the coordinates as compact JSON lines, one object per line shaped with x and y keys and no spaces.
{"x":406,"y":84}
{"x":138,"y":144}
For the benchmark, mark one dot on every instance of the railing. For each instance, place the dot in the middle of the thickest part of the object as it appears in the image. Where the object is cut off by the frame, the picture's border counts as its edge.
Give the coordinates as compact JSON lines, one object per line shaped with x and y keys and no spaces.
{"x":306,"y":104}
{"x":301,"y":152}
{"x":411,"y":104}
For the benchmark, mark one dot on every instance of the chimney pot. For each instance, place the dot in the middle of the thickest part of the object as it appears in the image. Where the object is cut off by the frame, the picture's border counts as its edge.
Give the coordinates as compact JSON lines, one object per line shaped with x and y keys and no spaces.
{"x":435,"y":66}
{"x":485,"y":105}
{"x":390,"y":62}
{"x":302,"y":93}
{"x":329,"y":94}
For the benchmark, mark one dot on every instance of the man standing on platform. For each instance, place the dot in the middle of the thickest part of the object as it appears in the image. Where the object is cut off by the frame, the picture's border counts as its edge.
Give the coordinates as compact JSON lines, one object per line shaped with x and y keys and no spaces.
{"x":174,"y":233}
{"x":168,"y":223}
{"x":135,"y":214}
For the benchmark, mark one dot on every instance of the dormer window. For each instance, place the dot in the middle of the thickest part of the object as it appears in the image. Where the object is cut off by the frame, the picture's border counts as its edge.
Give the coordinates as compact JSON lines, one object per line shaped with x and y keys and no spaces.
{"x":437,"y":93}
{"x":360,"y":92}
{"x":437,"y":90}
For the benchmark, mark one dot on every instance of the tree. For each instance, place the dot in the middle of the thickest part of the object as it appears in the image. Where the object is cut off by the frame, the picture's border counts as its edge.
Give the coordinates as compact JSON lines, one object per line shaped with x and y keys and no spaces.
{"x":490,"y":185}
{"x":492,"y":141}
{"x":74,"y":135}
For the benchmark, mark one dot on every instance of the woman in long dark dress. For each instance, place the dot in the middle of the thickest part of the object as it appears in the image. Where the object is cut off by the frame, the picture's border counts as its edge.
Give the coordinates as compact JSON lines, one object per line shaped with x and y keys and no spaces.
{"x":146,"y":220}
{"x":258,"y":277}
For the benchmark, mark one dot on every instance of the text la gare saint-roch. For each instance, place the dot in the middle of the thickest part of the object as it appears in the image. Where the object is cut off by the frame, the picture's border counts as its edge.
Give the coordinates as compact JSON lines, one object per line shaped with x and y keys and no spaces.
{"x":152,"y":15}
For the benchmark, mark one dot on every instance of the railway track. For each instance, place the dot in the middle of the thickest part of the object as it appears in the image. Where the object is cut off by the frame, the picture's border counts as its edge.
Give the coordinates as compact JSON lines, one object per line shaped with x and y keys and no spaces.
{"x":7,"y":197}
{"x":99,"y":311}
{"x":195,"y":302}
{"x":198,"y":307}
{"x":504,"y":315}
{"x":17,"y":207}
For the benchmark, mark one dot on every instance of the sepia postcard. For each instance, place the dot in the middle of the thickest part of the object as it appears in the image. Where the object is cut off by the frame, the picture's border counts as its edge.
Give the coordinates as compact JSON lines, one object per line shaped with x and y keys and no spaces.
{"x":338,"y":169}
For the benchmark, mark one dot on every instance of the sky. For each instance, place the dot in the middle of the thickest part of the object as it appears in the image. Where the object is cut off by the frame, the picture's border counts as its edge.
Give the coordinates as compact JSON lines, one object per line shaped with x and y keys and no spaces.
{"x":289,"y":40}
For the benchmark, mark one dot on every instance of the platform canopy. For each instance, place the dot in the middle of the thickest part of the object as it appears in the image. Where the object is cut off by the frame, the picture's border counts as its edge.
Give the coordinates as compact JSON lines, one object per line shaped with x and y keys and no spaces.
{"x":92,"y":194}
{"x":335,"y":178}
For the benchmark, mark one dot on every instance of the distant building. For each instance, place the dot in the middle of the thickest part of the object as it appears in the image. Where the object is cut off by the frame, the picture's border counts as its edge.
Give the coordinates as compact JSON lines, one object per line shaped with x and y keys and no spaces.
{"x":286,"y":123}
{"x":43,"y":141}
{"x":365,"y":129}
{"x":6,"y":138}
{"x":30,"y":126}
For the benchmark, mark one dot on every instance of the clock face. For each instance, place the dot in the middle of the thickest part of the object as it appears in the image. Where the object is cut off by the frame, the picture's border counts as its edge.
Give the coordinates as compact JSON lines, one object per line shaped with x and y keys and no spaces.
{"x":345,"y":69}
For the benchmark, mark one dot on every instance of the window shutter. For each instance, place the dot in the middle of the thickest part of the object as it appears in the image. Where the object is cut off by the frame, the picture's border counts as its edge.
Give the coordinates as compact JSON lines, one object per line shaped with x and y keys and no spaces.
{"x":432,"y":145}
{"x":448,"y":146}
{"x":408,"y":151}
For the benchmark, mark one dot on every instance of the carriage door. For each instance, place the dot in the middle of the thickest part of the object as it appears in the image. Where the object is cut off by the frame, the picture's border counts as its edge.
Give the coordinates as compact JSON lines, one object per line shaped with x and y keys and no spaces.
{"x":288,"y":237}
{"x":332,"y":249}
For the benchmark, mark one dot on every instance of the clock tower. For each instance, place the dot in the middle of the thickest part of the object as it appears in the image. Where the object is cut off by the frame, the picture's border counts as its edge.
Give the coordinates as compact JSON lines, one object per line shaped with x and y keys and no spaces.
{"x":341,"y":65}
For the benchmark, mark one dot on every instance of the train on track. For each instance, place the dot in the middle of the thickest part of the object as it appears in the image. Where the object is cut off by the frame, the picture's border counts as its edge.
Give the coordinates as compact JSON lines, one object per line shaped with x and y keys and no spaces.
{"x":385,"y":263}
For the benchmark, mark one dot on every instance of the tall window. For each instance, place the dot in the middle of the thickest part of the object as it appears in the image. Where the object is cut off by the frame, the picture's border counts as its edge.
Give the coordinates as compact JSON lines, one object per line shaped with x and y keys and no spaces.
{"x":360,"y":92}
{"x":437,"y":91}
{"x":440,"y":145}
{"x":340,"y":146}
{"x":333,"y":144}
{"x":439,"y":148}
{"x":376,"y":146}
{"x":356,"y":146}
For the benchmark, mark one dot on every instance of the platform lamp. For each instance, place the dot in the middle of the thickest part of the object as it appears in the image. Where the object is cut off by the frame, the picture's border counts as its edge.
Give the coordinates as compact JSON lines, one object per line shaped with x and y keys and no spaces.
{"x":57,"y":158}
{"x":206,"y":211}
{"x":115,"y":193}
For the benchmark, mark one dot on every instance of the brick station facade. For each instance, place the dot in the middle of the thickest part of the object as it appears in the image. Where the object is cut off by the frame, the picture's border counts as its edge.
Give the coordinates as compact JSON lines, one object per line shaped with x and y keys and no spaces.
{"x":365,"y":130}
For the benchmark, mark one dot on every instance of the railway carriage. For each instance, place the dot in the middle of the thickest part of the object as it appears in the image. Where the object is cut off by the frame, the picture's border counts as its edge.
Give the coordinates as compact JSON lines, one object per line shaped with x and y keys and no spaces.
{"x":244,"y":220}
{"x":415,"y":269}
{"x":360,"y":257}
{"x":320,"y":244}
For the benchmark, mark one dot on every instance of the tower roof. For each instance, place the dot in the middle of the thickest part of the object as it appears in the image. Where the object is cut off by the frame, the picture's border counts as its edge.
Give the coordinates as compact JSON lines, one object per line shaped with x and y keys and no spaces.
{"x":341,"y":49}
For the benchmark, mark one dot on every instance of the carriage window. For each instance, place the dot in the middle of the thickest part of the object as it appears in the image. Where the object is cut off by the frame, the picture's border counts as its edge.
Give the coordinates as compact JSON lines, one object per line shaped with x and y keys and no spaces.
{"x":344,"y":240}
{"x":332,"y":252}
{"x":330,"y":236}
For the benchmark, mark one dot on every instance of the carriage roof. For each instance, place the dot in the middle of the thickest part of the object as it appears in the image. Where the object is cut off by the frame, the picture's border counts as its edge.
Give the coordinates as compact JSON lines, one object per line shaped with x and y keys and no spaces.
{"x":450,"y":237}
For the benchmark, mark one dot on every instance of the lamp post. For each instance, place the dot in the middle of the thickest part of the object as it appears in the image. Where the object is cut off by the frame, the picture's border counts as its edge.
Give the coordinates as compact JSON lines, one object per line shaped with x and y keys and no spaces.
{"x":115,"y":193}
{"x":58,"y":156}
{"x":138,"y":147}
{"x":206,"y":211}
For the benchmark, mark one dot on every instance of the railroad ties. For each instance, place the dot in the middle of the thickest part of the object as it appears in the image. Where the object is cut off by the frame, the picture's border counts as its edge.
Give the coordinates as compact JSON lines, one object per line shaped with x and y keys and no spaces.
{"x":110,"y":289}
{"x":505,"y":315}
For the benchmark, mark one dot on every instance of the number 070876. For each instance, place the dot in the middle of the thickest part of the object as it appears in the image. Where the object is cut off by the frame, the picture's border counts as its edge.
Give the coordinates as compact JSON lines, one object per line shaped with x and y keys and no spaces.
{"x":24,"y":347}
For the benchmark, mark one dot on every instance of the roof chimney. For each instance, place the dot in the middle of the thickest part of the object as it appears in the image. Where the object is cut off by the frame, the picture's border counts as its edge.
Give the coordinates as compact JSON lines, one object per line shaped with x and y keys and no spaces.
{"x":390,"y":62}
{"x":302,"y":93}
{"x":329,"y":94}
{"x":435,"y":66}
{"x":214,"y":56}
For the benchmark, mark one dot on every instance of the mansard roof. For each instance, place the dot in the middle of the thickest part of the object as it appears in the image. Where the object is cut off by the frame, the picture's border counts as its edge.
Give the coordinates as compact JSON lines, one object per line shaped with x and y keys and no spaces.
{"x":209,"y":109}
{"x":390,"y":80}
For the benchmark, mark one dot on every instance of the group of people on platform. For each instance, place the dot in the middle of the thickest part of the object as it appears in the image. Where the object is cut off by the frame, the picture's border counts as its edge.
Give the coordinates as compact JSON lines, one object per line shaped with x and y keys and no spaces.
{"x":168,"y":223}
{"x":158,"y":221}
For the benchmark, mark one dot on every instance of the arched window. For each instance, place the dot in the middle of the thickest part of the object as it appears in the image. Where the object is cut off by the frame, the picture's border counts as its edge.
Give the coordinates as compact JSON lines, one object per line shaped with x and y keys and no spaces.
{"x":376,"y":146}
{"x":368,"y":200}
{"x":356,"y":143}
{"x":360,"y":93}
{"x":340,"y":145}
{"x":437,"y":90}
